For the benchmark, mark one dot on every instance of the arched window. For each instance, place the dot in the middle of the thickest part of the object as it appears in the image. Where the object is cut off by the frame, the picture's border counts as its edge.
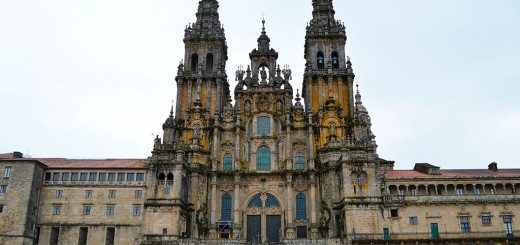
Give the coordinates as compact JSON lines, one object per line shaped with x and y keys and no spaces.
{"x":301,"y":207}
{"x":225,"y":212}
{"x":169,"y":179}
{"x":161,"y":178}
{"x":320,"y":60}
{"x":271,"y":201}
{"x":194,"y":61}
{"x":209,"y":62}
{"x":256,"y":201}
{"x":335,"y":60}
{"x":228,"y":162}
{"x":300,"y":161}
{"x":263,"y":158}
{"x":263,"y":125}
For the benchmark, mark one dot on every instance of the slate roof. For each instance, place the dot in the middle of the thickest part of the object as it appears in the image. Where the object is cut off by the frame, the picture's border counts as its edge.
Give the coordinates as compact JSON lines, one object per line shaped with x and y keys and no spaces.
{"x":63,"y":163}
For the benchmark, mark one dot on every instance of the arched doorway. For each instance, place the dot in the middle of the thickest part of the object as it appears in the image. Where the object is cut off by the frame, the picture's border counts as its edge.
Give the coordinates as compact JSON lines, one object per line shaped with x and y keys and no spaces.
{"x":264,"y":219}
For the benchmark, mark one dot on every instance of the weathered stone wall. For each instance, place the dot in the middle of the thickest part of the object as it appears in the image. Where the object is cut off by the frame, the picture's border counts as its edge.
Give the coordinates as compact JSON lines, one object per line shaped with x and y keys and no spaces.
{"x":73,"y":200}
{"x":20,"y":201}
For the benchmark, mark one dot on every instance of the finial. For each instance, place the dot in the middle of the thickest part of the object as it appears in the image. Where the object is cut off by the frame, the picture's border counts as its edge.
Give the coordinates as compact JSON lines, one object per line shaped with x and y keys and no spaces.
{"x":171,"y":111}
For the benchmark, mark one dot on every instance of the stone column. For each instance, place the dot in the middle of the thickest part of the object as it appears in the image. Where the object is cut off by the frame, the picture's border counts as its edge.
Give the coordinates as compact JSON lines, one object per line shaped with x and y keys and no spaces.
{"x":288,"y":147}
{"x":208,"y":94}
{"x":290,"y":216}
{"x":219,"y":96}
{"x":311,"y":143}
{"x":213,"y":199}
{"x":314,"y":231}
{"x":236,"y":208}
{"x":179,"y":99}
{"x":189,"y":103}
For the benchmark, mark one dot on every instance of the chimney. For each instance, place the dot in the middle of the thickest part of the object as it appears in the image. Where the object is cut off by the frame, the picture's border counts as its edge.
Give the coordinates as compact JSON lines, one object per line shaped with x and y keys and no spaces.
{"x":17,"y":154}
{"x":493,"y":166}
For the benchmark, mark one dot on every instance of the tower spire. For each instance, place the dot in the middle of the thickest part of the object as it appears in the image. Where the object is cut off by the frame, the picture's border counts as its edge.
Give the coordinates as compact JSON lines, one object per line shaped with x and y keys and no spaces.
{"x":323,"y":19}
{"x":208,"y":23}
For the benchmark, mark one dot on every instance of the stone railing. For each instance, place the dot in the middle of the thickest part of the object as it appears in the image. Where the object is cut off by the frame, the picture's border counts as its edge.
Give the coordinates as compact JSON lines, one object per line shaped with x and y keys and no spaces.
{"x":429,"y":236}
{"x":510,"y":198}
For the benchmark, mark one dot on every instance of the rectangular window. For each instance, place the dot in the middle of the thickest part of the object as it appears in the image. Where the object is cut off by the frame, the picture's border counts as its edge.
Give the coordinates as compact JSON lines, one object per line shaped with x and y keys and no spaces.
{"x":138,"y":193}
{"x":88,"y":194}
{"x":414,"y":220}
{"x":111,"y":176}
{"x":47,"y":177}
{"x":83,"y":177}
{"x":413,"y":192}
{"x":86,"y":210}
{"x":120,"y":176}
{"x":59,"y":193}
{"x":7,"y":172}
{"x":263,"y":125}
{"x":92,"y":177}
{"x":477,"y":192}
{"x":55,"y":234}
{"x":56,"y":210}
{"x":460,"y":192}
{"x":55,"y":176}
{"x":102,"y":177}
{"x":394,"y":213}
{"x":301,"y":232}
{"x":74,"y":177}
{"x":137,"y":210}
{"x":1,"y":208}
{"x":508,"y":224}
{"x":139,"y":177}
{"x":83,"y":234}
{"x":493,"y":192}
{"x":130,"y":176}
{"x":486,"y":219}
{"x":65,"y":177}
{"x":165,"y":231}
{"x":166,"y":190}
{"x":111,"y":193}
{"x":110,"y":237}
{"x":110,"y":210}
{"x":3,"y":189}
{"x":464,"y":224}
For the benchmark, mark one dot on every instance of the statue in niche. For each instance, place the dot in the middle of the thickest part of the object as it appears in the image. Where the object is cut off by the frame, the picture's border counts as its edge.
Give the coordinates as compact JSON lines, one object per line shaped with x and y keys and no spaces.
{"x":196,"y":131}
{"x":247,"y":108}
{"x":263,"y":74}
{"x":332,"y":129}
{"x":279,"y":106}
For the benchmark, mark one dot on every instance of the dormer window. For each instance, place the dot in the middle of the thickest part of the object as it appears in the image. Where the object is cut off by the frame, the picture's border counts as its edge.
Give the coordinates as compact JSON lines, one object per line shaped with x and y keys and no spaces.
{"x":320,"y":59}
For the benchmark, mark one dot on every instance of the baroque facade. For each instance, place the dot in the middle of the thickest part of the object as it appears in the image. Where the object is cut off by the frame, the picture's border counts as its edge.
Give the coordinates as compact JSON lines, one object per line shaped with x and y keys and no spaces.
{"x":260,"y":170}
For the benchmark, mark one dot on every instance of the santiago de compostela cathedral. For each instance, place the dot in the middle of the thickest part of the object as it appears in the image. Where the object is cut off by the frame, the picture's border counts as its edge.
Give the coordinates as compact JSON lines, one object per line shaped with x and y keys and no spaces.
{"x":262,"y":170}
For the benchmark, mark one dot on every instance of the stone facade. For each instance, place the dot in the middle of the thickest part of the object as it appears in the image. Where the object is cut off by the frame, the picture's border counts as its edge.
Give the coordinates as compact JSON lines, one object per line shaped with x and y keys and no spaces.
{"x":260,"y":170}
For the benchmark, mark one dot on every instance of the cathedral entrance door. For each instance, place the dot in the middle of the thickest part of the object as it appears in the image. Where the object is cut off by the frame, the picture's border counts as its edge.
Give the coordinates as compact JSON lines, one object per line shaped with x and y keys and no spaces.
{"x":254,"y":226}
{"x":273,"y":228}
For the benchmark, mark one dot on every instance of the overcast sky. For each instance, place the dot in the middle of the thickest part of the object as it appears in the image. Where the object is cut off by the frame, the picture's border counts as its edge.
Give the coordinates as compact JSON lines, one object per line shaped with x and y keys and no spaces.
{"x":95,"y":78}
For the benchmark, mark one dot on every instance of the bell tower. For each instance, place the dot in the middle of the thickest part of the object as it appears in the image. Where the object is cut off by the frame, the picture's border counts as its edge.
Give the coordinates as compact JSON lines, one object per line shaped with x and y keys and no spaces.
{"x":201,"y":77}
{"x":327,"y":74}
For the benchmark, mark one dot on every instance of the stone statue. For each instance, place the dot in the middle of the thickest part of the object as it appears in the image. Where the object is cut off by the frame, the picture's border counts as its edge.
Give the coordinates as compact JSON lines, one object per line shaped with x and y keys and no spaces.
{"x":263,"y":74}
